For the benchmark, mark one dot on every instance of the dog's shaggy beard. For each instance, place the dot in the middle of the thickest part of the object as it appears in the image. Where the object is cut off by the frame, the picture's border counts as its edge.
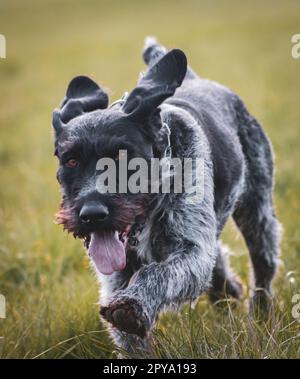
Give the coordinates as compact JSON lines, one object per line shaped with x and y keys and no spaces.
{"x":124,"y":214}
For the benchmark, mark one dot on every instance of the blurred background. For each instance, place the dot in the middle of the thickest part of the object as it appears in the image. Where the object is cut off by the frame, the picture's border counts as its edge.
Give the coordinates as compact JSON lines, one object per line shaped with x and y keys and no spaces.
{"x":51,"y":293}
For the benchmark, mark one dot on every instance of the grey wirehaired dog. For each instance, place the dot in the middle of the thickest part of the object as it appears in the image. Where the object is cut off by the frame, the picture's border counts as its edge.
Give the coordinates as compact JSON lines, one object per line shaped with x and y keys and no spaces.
{"x":156,"y":251}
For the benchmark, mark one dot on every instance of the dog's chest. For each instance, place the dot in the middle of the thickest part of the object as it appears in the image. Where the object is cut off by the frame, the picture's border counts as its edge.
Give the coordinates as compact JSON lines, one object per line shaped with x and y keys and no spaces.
{"x":139,"y":241}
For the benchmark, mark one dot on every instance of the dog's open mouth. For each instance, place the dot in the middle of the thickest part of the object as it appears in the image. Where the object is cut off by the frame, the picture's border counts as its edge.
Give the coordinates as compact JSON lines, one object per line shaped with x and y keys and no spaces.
{"x":108,"y":251}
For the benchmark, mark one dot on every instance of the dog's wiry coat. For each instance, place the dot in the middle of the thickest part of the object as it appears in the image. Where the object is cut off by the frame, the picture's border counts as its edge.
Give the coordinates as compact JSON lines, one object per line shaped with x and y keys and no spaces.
{"x":178,"y":254}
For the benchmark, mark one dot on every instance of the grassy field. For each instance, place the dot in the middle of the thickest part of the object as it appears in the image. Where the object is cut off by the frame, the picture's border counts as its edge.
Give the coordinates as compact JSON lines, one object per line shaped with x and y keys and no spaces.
{"x":51,"y":294}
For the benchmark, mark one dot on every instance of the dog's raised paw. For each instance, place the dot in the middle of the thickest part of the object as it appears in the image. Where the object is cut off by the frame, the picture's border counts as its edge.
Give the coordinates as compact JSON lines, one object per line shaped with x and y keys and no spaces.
{"x":126,"y":315}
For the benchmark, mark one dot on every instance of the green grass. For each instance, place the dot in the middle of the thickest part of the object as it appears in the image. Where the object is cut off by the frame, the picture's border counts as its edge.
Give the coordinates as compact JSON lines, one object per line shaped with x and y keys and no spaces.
{"x":51,"y":294}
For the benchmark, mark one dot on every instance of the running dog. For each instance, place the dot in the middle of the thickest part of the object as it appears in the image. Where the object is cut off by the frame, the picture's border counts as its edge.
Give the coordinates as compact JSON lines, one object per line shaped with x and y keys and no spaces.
{"x":155,"y":251}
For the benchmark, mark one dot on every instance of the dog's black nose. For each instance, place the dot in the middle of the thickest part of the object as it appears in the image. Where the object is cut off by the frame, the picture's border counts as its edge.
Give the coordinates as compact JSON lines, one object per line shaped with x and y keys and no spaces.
{"x":93,"y":212}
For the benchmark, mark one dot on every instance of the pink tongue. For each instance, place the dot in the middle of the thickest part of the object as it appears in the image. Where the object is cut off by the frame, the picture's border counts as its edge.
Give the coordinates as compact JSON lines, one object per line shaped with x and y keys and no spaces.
{"x":107,"y":252}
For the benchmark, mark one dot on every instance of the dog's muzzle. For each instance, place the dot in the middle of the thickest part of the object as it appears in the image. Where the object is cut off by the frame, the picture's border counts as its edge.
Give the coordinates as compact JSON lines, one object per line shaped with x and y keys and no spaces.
{"x":93,"y":212}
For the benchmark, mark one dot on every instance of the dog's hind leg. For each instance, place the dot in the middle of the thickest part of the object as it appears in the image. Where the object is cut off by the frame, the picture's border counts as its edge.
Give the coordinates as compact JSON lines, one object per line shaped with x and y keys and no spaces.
{"x":224,"y":282}
{"x":256,"y":219}
{"x":255,"y":215}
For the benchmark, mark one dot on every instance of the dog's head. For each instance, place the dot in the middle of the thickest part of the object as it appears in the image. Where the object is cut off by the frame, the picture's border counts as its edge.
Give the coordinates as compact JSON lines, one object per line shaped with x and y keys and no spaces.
{"x":86,"y":130}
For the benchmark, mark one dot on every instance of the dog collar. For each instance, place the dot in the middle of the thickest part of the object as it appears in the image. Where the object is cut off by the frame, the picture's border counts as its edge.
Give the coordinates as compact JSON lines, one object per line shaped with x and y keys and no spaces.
{"x":120,"y":101}
{"x":168,"y":151}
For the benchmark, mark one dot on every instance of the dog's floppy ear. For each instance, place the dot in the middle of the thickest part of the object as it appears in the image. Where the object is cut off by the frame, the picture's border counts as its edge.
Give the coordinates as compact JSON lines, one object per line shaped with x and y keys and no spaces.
{"x":83,"y":95}
{"x":159,"y":83}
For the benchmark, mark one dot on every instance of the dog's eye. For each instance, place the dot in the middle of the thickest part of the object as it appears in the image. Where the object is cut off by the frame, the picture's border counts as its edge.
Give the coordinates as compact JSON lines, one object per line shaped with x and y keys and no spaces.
{"x":71,"y":163}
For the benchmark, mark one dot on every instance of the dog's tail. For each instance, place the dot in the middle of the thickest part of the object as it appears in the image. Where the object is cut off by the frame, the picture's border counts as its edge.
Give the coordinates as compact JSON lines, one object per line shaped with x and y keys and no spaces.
{"x":152,"y":51}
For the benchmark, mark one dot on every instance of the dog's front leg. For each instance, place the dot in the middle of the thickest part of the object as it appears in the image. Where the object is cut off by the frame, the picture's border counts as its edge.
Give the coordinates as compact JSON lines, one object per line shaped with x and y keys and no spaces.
{"x":183,"y":276}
